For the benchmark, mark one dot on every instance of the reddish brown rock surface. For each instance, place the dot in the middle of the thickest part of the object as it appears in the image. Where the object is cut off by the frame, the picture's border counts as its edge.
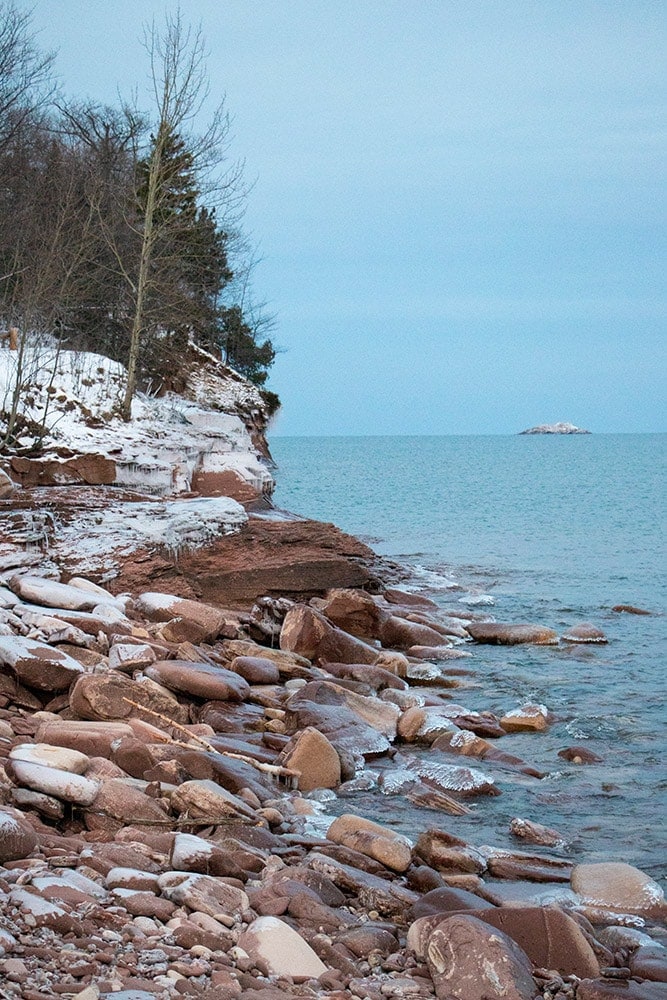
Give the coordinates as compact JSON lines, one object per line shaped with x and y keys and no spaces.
{"x":93,"y":470}
{"x":293,"y":558}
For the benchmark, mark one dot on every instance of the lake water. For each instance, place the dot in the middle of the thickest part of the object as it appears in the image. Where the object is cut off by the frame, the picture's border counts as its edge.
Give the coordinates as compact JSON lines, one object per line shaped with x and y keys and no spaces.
{"x":556,"y":530}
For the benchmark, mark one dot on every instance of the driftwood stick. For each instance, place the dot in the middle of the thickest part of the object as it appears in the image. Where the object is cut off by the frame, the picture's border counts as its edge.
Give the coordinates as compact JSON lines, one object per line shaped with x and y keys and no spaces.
{"x":286,"y":774}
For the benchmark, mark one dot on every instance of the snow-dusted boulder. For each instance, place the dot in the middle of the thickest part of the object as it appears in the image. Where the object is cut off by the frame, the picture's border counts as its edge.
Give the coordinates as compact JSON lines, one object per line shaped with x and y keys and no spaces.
{"x":38,"y":665}
{"x":51,"y":594}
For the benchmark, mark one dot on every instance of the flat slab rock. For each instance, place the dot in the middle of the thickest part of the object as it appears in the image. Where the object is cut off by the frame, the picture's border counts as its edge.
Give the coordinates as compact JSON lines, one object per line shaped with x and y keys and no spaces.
{"x":497,"y":634}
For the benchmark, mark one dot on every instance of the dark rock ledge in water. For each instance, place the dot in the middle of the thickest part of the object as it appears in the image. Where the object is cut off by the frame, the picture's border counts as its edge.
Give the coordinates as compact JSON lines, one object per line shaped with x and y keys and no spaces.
{"x":559,"y":428}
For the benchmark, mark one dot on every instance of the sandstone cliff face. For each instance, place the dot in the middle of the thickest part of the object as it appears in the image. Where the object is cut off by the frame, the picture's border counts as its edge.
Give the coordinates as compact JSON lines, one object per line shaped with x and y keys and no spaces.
{"x":207,"y":437}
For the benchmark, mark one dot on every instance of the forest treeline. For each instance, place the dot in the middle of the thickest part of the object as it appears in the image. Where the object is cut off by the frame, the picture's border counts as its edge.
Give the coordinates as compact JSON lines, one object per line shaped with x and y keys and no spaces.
{"x":120,"y":227}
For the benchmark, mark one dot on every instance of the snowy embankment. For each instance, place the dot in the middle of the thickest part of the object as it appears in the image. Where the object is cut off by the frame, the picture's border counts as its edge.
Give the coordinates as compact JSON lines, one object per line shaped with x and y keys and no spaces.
{"x":199,"y":440}
{"x":190,"y":461}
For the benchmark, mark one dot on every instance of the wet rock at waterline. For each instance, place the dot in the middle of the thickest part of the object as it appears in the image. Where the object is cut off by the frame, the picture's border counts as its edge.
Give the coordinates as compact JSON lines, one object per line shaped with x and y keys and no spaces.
{"x":618,"y":886}
{"x":584,"y":633}
{"x":511,"y":635}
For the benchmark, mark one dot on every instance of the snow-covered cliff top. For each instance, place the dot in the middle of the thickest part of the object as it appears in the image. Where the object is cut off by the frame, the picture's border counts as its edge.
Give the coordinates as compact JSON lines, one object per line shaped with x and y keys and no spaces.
{"x":69,"y":402}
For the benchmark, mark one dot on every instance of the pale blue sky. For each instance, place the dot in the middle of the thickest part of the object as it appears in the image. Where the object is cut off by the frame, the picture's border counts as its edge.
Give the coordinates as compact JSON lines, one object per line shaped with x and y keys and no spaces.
{"x":459,"y":203}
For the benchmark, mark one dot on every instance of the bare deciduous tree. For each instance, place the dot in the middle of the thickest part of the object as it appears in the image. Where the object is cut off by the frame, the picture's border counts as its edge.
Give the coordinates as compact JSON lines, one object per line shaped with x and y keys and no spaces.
{"x":26,"y":83}
{"x":180,"y":86}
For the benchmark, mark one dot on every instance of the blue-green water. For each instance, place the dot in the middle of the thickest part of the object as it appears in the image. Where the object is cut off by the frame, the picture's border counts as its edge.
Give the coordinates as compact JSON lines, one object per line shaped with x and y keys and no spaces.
{"x":556,"y":530}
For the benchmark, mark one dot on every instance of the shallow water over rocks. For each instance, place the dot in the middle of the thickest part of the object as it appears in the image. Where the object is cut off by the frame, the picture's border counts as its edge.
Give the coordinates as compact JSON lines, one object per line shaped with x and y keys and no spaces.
{"x":560,"y":531}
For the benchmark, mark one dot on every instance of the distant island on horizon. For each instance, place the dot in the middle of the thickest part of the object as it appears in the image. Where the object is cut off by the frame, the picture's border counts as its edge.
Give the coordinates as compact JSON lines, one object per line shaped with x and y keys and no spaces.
{"x":560,"y":428}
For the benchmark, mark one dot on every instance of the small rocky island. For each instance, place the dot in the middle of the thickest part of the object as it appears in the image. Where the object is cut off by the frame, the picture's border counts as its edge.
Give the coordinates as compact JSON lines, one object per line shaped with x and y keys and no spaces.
{"x":560,"y":428}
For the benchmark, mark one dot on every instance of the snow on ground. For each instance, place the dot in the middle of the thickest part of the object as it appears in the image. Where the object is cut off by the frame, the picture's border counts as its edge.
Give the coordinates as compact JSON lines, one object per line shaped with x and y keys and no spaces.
{"x":76,"y":396}
{"x":94,"y":538}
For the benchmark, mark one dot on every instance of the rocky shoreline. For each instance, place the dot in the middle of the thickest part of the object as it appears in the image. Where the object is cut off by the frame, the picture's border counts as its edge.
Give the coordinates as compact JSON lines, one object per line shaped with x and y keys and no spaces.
{"x":167,"y":751}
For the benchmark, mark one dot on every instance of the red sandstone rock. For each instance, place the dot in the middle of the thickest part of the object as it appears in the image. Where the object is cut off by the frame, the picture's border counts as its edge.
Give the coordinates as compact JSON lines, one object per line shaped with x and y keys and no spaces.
{"x":354,"y":611}
{"x":314,"y":757}
{"x":618,"y":886}
{"x":91,"y":738}
{"x":17,"y":837}
{"x":535,"y":833}
{"x":583,"y":633}
{"x":579,"y":755}
{"x":276,"y":558}
{"x":209,"y":622}
{"x":550,"y":938}
{"x":398,"y":633}
{"x":106,"y":697}
{"x":378,"y":842}
{"x":444,"y":852}
{"x":38,"y":665}
{"x":116,"y":801}
{"x":225,"y":483}
{"x":527,"y":719}
{"x":202,"y":680}
{"x":256,"y":669}
{"x":280,"y":951}
{"x":511,"y":635}
{"x":91,"y":469}
{"x":350,"y":721}
{"x":309,"y":634}
{"x":469,"y":960}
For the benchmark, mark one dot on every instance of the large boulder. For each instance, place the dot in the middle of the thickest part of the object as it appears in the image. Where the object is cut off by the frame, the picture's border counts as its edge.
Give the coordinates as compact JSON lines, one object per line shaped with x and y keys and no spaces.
{"x":352,"y":722}
{"x":53,"y":781}
{"x":208,"y":622}
{"x":208,"y":800}
{"x":278,"y":950}
{"x":38,"y":665}
{"x":203,"y":893}
{"x":117,"y":800}
{"x":202,"y":680}
{"x":376,"y":841}
{"x":92,"y":738}
{"x":354,"y":611}
{"x":614,"y":885}
{"x":550,"y":938}
{"x":17,"y":837}
{"x":113,"y":696}
{"x":51,"y":594}
{"x":315,"y":758}
{"x":308,"y":633}
{"x":469,"y":960}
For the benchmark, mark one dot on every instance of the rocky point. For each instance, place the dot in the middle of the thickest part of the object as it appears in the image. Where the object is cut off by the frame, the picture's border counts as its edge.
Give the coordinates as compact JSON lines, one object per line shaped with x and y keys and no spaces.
{"x":191,"y":694}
